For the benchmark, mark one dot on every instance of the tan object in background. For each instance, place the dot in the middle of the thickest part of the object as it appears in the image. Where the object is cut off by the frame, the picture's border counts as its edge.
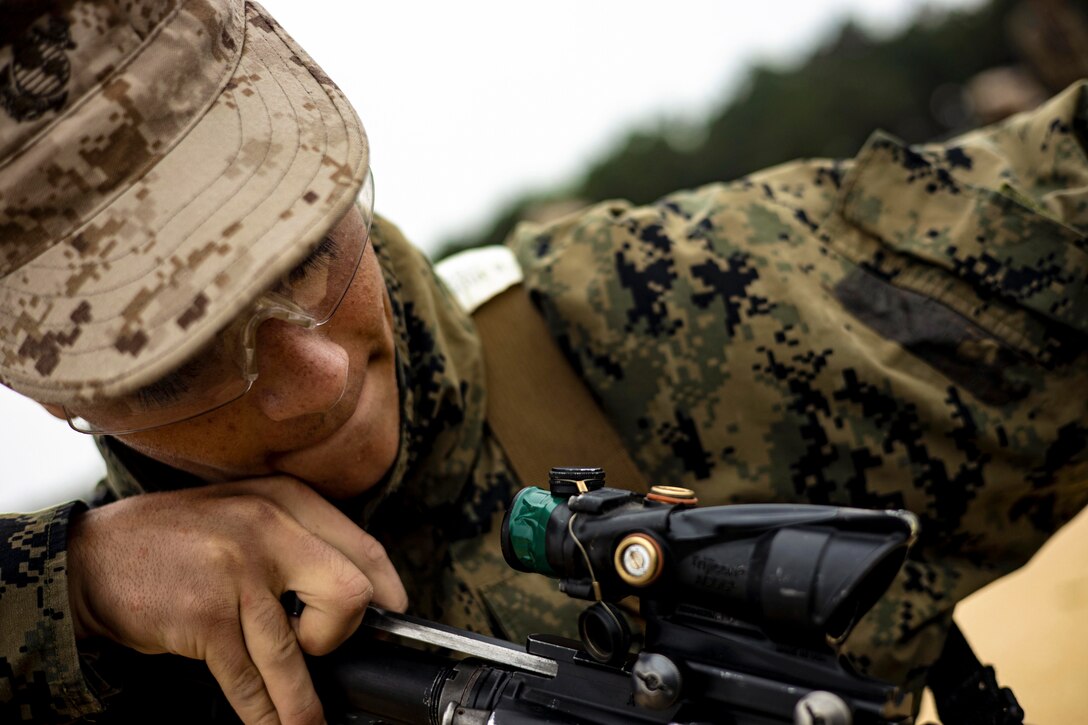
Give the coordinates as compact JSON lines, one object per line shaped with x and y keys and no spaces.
{"x":1032,"y":626}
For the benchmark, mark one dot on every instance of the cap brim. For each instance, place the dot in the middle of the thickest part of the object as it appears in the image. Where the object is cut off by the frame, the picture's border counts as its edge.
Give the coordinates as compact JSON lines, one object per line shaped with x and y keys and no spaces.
{"x":272,"y":165}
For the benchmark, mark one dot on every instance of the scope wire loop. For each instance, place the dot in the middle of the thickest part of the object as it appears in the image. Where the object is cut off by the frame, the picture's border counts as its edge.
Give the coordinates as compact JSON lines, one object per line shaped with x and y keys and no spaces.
{"x":585,"y":556}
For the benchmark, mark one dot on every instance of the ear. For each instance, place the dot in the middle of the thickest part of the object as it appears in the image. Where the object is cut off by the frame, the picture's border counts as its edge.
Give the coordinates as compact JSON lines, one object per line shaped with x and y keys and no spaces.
{"x":54,"y":410}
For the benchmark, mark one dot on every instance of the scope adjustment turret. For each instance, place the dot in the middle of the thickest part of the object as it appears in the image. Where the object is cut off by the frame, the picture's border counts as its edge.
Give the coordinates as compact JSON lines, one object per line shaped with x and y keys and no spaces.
{"x":570,"y":481}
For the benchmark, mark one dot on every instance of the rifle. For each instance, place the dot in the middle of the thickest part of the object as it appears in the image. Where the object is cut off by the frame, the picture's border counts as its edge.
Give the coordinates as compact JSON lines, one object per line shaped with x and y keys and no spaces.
{"x":742,"y":606}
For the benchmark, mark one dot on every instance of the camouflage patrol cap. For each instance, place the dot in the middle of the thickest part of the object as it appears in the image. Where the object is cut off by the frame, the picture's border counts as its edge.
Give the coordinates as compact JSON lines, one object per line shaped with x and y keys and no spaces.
{"x":162,"y":162}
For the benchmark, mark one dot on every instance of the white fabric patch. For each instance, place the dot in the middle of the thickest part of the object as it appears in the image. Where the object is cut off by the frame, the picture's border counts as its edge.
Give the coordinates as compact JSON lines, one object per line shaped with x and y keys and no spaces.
{"x":476,"y":275}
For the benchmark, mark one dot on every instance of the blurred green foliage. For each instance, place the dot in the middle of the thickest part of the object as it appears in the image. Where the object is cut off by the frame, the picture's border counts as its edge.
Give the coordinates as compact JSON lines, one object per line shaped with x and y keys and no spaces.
{"x":827,"y":106}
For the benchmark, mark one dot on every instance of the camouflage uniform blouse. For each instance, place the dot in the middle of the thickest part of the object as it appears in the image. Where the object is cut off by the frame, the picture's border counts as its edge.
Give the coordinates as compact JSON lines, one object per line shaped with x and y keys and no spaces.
{"x":906,"y":329}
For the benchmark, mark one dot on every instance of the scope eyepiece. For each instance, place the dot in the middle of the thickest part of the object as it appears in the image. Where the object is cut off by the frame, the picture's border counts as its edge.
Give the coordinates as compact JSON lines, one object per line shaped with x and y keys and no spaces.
{"x":524,"y":527}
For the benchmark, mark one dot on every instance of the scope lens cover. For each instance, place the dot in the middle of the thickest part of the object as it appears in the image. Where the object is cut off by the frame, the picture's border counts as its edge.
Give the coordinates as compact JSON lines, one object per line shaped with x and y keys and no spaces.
{"x":524,"y":529}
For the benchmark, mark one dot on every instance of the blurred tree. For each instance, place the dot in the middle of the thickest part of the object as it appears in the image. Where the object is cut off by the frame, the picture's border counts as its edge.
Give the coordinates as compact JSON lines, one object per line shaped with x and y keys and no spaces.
{"x":909,"y":84}
{"x":1052,"y":36}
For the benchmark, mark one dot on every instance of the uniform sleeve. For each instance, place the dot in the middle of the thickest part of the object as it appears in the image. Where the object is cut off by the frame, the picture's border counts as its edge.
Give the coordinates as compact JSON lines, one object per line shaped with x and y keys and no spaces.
{"x":40,"y":675}
{"x":906,"y":330}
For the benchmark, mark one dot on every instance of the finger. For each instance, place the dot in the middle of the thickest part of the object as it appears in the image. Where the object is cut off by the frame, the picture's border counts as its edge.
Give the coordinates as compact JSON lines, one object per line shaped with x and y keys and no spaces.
{"x":329,"y":524}
{"x":241,"y":681}
{"x":333,"y":589}
{"x":371,"y":558}
{"x":275,"y":651}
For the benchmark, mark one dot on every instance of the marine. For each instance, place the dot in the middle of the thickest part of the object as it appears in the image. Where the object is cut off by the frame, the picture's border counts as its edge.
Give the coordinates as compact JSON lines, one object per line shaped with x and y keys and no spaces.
{"x":904,"y":329}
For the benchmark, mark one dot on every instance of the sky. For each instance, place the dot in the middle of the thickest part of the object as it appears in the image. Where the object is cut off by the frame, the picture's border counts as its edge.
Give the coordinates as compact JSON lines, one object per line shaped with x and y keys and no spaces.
{"x":469,"y":104}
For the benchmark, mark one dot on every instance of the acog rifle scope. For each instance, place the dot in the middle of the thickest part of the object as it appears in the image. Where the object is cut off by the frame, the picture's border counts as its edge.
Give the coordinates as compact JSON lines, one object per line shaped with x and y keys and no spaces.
{"x":800,"y":573}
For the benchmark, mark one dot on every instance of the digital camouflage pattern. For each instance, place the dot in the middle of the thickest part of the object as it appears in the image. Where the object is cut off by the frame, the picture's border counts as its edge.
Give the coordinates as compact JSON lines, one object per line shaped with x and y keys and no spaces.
{"x":40,"y":677}
{"x":162,"y":163}
{"x":902,"y":330}
{"x":448,"y":478}
{"x":905,"y":330}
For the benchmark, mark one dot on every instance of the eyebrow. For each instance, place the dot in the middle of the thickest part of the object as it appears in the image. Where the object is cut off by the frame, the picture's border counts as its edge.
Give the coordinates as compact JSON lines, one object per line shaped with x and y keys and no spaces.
{"x":173,"y":384}
{"x":320,"y":249}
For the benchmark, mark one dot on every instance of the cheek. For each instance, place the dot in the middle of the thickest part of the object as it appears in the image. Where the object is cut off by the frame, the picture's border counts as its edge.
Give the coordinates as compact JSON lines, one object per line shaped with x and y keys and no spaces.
{"x":212,"y":448}
{"x":229,"y":443}
{"x":365,"y":311}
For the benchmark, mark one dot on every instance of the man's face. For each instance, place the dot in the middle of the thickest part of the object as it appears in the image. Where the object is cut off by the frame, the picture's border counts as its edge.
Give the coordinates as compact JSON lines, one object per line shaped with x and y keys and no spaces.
{"x":325,"y":405}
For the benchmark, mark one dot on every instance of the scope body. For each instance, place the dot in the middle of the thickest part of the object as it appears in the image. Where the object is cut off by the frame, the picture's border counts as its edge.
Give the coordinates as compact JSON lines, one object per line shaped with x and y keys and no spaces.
{"x":800,"y":573}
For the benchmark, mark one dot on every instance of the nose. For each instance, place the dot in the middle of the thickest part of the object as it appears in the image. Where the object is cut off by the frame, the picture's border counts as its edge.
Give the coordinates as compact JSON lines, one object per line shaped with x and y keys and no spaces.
{"x":300,"y":371}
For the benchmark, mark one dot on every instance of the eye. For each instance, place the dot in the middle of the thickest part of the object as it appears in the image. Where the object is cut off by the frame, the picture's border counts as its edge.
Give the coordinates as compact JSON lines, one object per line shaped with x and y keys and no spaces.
{"x":318,"y":259}
{"x":175,"y":386}
{"x":163,"y":392}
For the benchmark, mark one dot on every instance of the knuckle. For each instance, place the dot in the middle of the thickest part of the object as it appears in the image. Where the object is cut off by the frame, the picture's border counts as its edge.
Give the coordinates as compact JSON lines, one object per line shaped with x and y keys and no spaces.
{"x":344,"y":615}
{"x":268,"y":716}
{"x":259,"y":512}
{"x":307,"y":712}
{"x":373,"y":551}
{"x":210,"y":611}
{"x":279,"y":639}
{"x":358,"y":598}
{"x":225,"y":554}
{"x":246,"y":687}
{"x":355,"y":590}
{"x":346,"y":609}
{"x":344,"y":577}
{"x":226,"y":630}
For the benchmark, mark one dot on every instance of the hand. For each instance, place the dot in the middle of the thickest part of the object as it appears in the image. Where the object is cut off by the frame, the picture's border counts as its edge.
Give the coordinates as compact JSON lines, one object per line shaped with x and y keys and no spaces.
{"x":200,"y":572}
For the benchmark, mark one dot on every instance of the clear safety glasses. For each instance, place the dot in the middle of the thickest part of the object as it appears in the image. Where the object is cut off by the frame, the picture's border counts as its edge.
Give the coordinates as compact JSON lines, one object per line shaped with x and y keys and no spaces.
{"x":225,"y":370}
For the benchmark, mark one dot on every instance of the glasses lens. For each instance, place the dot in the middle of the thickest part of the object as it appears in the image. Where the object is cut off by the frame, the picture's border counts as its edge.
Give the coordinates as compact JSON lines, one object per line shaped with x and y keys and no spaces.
{"x":224,"y":371}
{"x":208,"y":381}
{"x":318,"y":284}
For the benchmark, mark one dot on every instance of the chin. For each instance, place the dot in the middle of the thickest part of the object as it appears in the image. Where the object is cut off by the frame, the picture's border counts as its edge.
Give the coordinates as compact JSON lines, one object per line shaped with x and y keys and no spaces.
{"x":349,"y":477}
{"x":361,"y":450}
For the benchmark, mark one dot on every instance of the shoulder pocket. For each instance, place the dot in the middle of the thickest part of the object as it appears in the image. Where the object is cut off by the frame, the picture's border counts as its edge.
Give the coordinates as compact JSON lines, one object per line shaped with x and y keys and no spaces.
{"x":1009,"y":271}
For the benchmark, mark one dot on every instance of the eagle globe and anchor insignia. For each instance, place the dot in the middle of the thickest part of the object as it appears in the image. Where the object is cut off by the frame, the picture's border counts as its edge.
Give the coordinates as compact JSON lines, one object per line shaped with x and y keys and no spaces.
{"x":36,"y":80}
